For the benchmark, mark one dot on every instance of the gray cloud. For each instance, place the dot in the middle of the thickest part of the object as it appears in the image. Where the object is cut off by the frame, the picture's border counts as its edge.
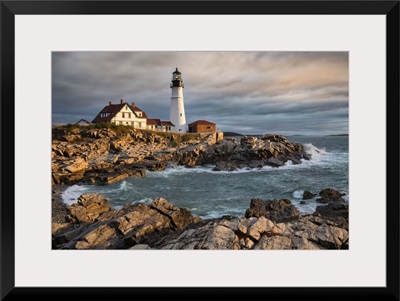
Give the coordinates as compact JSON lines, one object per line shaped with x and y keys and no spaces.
{"x":247,"y":92}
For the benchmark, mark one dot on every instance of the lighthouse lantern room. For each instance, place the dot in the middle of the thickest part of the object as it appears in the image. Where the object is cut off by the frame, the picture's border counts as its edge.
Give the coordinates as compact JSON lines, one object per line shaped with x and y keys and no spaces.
{"x":177,"y":109}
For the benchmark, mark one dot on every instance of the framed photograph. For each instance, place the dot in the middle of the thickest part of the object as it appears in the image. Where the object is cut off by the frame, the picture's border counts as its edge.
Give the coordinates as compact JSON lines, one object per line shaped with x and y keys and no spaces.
{"x":171,"y":149}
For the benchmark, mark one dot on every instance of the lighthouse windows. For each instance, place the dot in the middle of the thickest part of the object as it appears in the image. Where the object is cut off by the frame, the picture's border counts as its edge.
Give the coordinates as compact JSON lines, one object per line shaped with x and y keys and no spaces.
{"x":180,"y":114}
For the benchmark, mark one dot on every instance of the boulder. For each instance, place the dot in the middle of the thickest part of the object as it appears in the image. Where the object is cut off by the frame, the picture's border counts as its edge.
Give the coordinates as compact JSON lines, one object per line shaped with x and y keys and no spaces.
{"x":180,"y":217}
{"x":274,"y":210}
{"x":308,"y":195}
{"x":336,"y":212}
{"x":328,"y":195}
{"x":274,"y":162}
{"x":88,"y":208}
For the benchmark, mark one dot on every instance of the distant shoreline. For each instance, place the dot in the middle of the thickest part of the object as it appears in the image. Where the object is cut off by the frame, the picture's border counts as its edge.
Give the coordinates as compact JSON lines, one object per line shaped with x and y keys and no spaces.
{"x":234,"y":134}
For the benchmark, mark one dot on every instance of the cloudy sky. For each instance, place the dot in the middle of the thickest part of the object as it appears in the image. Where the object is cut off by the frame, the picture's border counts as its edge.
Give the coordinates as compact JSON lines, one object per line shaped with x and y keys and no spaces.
{"x":246,"y":92}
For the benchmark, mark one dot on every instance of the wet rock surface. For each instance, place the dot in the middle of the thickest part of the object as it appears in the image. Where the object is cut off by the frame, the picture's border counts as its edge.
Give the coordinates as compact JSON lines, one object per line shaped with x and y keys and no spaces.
{"x":103,"y":156}
{"x":275,"y":225}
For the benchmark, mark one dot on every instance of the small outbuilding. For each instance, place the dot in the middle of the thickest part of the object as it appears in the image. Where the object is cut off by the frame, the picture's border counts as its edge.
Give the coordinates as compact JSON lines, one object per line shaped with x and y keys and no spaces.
{"x":84,"y":122}
{"x":202,"y":126}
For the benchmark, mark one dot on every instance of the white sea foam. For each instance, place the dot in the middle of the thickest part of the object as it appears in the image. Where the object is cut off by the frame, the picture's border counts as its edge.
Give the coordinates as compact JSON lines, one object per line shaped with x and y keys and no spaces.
{"x":71,"y":194}
{"x":298,"y":194}
{"x":307,"y":208}
{"x":123,"y":186}
{"x":146,"y":201}
{"x":314,"y":151}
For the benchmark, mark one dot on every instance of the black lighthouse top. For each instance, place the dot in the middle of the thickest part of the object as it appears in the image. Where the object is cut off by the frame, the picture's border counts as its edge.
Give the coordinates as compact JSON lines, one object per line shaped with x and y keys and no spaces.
{"x":177,"y":80}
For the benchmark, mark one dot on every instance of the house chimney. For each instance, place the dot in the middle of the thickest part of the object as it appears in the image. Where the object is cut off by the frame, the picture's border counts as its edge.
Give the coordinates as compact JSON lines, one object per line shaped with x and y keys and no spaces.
{"x":133,"y":104}
{"x":109,"y":103}
{"x":122,"y":101}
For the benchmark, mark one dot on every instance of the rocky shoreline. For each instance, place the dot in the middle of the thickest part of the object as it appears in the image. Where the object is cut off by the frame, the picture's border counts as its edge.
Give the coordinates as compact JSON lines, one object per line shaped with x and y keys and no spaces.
{"x":103,"y":155}
{"x":91,"y":155}
{"x":267,"y":225}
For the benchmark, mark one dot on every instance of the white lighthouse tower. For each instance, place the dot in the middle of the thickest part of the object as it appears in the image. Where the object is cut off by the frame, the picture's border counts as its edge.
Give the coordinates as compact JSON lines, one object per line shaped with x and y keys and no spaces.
{"x":177,"y":110}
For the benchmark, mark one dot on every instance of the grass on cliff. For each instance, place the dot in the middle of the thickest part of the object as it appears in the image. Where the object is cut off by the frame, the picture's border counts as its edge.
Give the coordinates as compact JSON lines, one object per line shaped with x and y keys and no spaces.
{"x":118,"y":129}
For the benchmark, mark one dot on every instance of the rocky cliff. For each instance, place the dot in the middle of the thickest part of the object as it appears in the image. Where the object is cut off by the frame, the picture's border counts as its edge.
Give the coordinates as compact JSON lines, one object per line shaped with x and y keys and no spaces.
{"x":107,"y":155}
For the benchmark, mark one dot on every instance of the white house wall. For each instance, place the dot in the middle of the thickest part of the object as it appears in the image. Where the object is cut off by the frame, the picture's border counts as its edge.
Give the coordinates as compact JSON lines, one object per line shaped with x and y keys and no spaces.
{"x":122,"y":117}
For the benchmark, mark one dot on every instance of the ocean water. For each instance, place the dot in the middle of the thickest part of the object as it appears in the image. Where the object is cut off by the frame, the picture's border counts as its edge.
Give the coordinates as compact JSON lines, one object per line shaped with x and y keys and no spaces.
{"x":211,"y":194}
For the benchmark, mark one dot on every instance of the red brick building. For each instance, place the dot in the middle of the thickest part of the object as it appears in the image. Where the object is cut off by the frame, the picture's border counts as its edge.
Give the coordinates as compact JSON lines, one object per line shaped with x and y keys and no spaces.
{"x":202,"y":126}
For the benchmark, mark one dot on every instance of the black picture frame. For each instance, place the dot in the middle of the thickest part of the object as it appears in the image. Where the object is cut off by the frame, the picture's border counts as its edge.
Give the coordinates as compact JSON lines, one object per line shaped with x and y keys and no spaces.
{"x":9,"y":9}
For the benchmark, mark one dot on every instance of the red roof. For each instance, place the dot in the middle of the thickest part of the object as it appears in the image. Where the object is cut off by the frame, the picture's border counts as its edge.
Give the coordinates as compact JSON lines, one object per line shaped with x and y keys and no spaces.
{"x":167,"y":123}
{"x":201,"y":122}
{"x":153,"y":121}
{"x":114,"y":109}
{"x":136,"y":109}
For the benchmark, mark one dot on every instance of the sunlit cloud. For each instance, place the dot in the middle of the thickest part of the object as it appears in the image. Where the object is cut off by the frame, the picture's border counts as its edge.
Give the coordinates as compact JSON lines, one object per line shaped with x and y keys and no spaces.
{"x":245,"y":92}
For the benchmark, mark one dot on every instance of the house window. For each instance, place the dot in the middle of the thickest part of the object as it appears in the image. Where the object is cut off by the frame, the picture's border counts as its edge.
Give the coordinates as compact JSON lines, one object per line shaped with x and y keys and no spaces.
{"x":139,"y":114}
{"x":140,"y":124}
{"x":127,"y":122}
{"x":123,"y":115}
{"x":129,"y":115}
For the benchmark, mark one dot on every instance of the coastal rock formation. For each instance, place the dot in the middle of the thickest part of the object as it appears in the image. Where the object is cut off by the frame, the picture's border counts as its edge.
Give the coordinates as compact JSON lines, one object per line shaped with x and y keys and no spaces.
{"x":161,"y":225}
{"x":88,"y":208}
{"x":308,"y":195}
{"x":103,"y":228}
{"x":107,"y":155}
{"x":336,"y":212}
{"x":328,"y":195}
{"x":274,"y":210}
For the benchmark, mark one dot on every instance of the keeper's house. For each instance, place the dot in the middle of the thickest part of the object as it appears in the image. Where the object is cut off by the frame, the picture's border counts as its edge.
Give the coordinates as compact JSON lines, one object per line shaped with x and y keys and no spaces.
{"x":124,"y":114}
{"x":202,"y":126}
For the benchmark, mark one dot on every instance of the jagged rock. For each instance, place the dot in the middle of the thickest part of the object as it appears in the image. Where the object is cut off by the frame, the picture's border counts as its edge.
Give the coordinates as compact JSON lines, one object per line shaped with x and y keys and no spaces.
{"x":165,"y":226}
{"x":275,"y":138}
{"x":328,"y":195}
{"x":318,"y":232}
{"x":275,"y":162}
{"x":225,"y":166}
{"x":262,"y":225}
{"x":76,"y":165}
{"x":88,"y":208}
{"x":274,"y":243}
{"x":336,"y":212}
{"x":158,"y":166}
{"x":308,"y":195}
{"x":275,"y":210}
{"x":180,"y":217}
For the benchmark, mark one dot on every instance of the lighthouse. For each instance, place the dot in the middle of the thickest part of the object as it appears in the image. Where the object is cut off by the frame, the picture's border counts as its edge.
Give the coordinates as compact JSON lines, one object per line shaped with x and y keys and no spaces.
{"x":177,"y":110}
